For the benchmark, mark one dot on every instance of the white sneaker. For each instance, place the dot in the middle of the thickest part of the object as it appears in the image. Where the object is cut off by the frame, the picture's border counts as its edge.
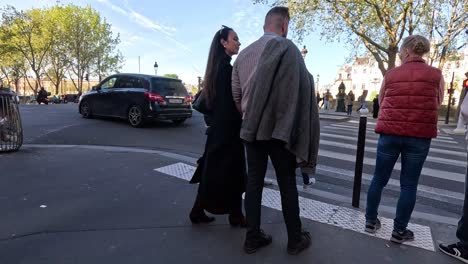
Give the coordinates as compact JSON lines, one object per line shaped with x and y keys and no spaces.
{"x":267,"y":182}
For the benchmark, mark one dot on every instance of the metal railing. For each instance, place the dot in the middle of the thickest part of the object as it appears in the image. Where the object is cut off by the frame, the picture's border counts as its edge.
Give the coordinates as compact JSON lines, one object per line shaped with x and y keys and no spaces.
{"x":11,"y":130}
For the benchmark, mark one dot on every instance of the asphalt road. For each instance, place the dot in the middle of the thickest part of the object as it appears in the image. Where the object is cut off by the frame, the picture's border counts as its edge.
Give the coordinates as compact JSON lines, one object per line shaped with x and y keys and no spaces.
{"x":62,"y":125}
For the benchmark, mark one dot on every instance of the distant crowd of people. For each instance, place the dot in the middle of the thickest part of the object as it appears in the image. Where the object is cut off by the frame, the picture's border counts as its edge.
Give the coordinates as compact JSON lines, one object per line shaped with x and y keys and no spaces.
{"x":265,"y":107}
{"x":328,"y":102}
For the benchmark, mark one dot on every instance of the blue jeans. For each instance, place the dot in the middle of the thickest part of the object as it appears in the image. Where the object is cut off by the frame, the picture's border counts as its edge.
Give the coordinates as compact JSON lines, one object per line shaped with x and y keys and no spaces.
{"x":413,"y":155}
{"x":350,"y":109}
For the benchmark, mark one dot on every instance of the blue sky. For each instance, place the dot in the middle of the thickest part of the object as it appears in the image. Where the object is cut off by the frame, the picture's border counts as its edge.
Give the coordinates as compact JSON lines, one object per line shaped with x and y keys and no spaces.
{"x":177,"y":34}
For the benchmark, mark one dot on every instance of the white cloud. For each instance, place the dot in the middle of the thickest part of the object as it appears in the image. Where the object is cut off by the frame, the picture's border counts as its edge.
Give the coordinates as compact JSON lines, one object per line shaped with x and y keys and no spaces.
{"x":146,"y":22}
{"x":247,"y":21}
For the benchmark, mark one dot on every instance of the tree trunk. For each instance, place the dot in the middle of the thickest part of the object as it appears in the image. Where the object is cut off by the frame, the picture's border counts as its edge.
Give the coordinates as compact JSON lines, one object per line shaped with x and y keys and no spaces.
{"x":392,"y":53}
{"x":16,"y":85}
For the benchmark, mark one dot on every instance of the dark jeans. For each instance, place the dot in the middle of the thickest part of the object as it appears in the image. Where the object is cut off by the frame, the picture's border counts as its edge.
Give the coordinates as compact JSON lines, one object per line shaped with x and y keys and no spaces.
{"x":413,"y":155}
{"x":350,"y":109}
{"x":284,"y":163}
{"x":462,"y":231}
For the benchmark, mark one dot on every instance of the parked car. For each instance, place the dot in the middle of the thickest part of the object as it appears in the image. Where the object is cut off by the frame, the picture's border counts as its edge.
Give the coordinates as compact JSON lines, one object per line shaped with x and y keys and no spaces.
{"x":138,"y":98}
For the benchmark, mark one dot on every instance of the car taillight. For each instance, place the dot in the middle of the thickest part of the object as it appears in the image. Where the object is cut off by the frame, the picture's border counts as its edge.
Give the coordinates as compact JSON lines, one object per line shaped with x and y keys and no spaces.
{"x":155,"y":97}
{"x":188,"y":99}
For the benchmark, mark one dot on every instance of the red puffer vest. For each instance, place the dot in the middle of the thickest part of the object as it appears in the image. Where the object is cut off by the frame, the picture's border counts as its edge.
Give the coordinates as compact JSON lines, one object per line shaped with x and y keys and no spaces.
{"x":410,"y":107}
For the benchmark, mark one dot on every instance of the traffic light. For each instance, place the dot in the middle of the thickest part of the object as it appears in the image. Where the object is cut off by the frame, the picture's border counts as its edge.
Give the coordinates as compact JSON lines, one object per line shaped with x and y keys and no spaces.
{"x":450,"y":91}
{"x":87,"y":77}
{"x":465,"y":83}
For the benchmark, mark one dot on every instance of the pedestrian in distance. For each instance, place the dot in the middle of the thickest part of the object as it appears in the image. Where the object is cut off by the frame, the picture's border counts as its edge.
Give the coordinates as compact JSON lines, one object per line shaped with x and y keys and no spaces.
{"x":42,"y":96}
{"x":270,"y":70}
{"x":375,"y":107}
{"x":221,"y":172}
{"x":349,"y":102}
{"x":326,"y":100}
{"x":318,"y":98}
{"x":459,"y":250}
{"x":362,"y":101}
{"x":406,"y":128}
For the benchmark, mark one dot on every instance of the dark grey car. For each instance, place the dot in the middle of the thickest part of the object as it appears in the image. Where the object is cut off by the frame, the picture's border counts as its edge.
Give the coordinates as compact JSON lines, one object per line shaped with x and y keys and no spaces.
{"x":138,"y":98}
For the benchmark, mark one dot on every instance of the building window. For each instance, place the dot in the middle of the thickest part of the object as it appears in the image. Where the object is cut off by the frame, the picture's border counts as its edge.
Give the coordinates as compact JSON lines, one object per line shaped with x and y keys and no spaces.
{"x":363,"y":86}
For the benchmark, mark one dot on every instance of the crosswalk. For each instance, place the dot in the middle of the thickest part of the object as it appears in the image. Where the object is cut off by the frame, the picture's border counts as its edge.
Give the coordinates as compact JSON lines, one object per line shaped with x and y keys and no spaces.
{"x":328,"y":201}
{"x":443,"y":175}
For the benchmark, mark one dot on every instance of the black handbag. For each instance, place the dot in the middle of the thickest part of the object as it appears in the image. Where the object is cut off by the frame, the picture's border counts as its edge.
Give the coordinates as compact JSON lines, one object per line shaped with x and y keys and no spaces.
{"x":199,"y":103}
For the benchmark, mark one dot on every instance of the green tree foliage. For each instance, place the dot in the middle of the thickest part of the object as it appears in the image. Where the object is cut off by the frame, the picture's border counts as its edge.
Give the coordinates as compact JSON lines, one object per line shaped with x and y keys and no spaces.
{"x":446,"y":27}
{"x":25,"y":33}
{"x":377,"y":25}
{"x":107,"y":59}
{"x":172,"y":75}
{"x":58,"y":57}
{"x":90,"y":43}
{"x":56,"y":42}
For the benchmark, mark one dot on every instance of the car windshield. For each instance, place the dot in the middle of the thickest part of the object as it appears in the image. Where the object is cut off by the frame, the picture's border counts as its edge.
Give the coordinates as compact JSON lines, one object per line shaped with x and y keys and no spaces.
{"x":167,"y":87}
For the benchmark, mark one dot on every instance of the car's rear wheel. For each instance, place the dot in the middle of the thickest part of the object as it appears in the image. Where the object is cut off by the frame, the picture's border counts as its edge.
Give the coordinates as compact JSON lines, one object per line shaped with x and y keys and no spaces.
{"x":85,"y":110}
{"x":178,"y":121}
{"x":135,"y":116}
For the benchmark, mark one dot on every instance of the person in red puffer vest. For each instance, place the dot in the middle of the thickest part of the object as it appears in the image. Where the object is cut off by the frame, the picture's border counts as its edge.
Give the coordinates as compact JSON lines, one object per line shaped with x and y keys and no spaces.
{"x":409,"y":100}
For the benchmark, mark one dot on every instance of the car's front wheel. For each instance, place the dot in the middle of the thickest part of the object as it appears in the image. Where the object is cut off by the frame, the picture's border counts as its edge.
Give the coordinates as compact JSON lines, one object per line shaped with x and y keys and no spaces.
{"x":85,"y":110}
{"x":135,"y":116}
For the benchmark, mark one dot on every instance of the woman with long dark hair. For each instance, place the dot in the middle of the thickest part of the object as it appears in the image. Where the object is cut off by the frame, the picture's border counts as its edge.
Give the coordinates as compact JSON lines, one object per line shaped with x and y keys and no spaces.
{"x":221,"y":171}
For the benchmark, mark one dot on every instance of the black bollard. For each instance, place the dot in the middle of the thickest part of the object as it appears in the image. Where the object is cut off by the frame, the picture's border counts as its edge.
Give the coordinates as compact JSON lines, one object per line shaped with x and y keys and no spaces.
{"x":359,"y":157}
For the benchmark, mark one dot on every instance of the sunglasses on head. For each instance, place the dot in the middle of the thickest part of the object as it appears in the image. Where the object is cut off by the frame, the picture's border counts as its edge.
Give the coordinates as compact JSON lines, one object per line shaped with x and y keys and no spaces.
{"x":222,"y":28}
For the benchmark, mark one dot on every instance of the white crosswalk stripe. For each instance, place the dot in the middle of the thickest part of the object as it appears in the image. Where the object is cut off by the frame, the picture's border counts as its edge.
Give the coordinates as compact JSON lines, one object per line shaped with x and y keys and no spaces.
{"x":461,"y":154}
{"x":347,"y":127}
{"x":445,"y":163}
{"x":374,"y":150}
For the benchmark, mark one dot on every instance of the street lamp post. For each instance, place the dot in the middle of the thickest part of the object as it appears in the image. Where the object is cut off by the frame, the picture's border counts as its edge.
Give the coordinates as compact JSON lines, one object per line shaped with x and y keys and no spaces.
{"x":155,"y":68}
{"x":199,"y":82}
{"x":317,"y":83}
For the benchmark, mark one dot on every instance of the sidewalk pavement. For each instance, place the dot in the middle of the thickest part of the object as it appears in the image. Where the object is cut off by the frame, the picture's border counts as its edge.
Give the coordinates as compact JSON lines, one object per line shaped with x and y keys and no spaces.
{"x":78,"y":204}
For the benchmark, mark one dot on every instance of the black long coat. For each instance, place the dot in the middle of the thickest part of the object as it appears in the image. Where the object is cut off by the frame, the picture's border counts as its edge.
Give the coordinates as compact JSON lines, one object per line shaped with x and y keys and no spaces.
{"x":221,"y":171}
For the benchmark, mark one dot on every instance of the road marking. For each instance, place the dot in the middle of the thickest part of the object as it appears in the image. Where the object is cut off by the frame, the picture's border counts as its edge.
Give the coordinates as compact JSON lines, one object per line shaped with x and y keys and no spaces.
{"x":321,"y":212}
{"x":354,"y":128}
{"x":430,"y":158}
{"x":423,"y":190}
{"x":374,"y":141}
{"x":459,"y":177}
{"x":357,"y":122}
